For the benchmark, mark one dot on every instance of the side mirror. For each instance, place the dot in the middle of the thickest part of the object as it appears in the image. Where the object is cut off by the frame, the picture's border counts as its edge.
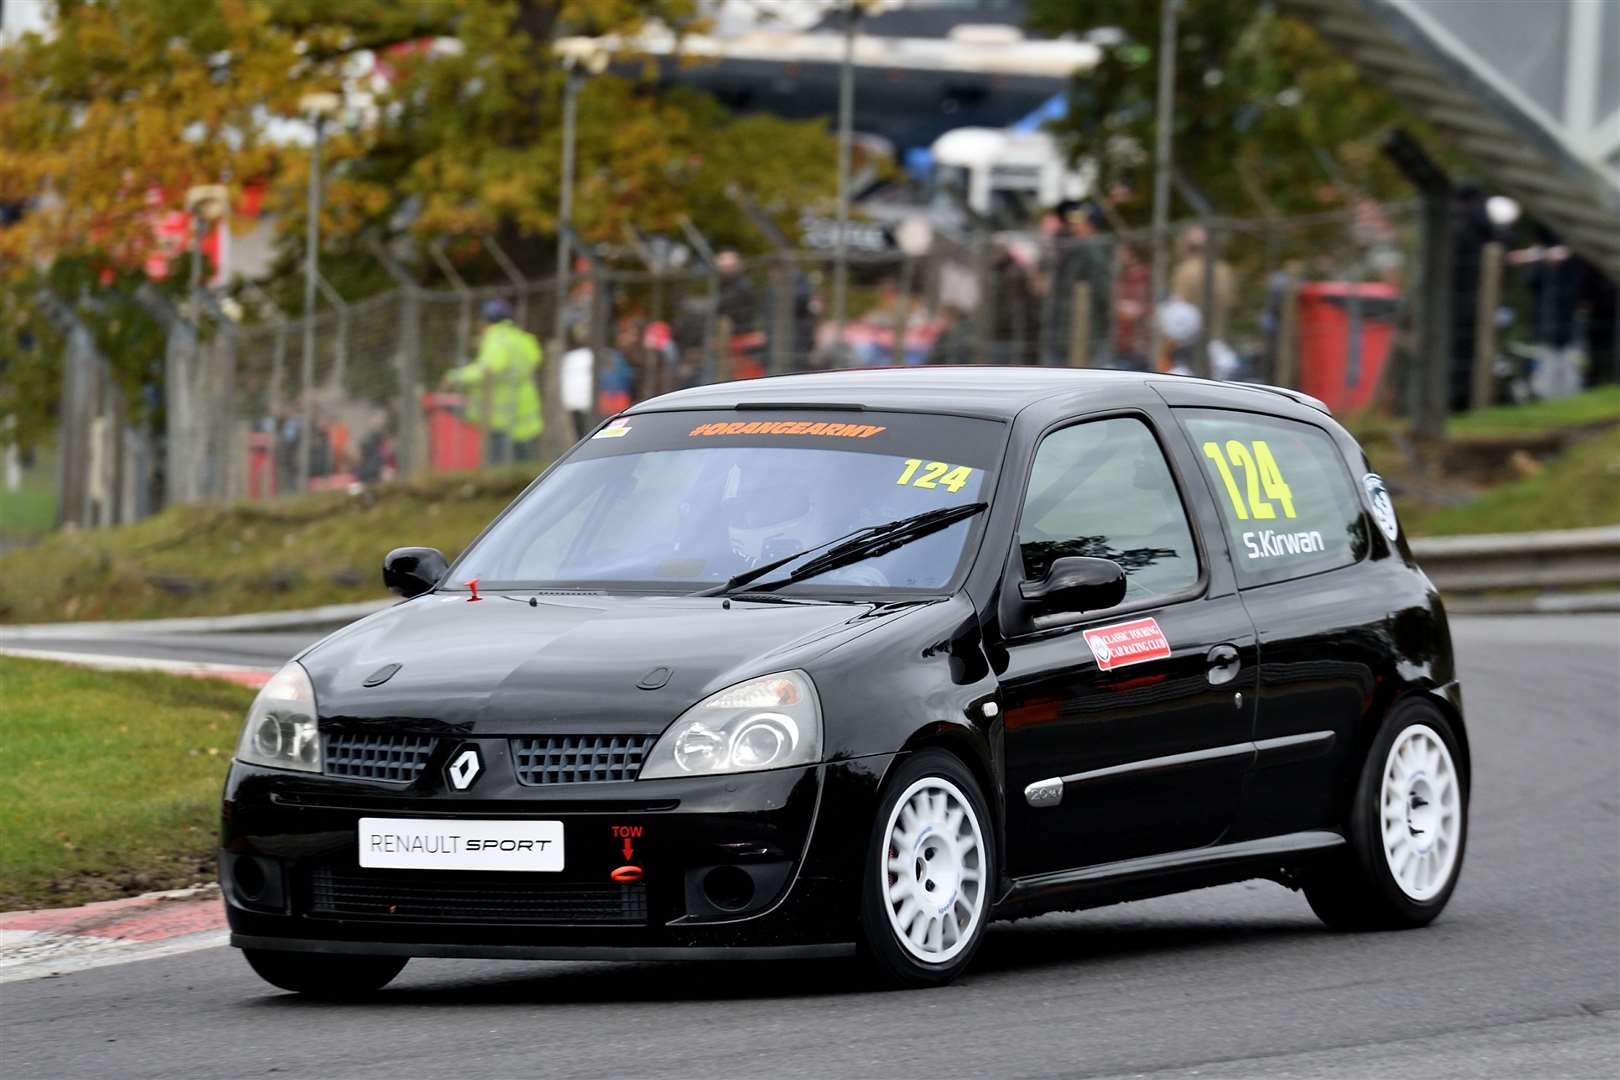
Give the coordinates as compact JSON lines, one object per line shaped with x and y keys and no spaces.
{"x":412,"y":571}
{"x":1075,"y":583}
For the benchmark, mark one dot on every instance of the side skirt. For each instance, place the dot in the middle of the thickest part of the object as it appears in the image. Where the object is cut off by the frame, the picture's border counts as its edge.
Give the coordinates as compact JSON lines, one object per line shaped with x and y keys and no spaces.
{"x":1155,"y":875}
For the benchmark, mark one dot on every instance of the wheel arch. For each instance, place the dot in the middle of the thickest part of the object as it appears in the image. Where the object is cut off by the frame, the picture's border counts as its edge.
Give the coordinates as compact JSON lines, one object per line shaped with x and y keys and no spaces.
{"x":1447,"y":699}
{"x":975,"y":749}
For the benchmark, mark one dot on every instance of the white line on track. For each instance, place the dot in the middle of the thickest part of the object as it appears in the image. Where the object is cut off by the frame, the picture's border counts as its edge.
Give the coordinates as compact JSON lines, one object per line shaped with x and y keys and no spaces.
{"x":37,"y":954}
{"x":130,"y":663}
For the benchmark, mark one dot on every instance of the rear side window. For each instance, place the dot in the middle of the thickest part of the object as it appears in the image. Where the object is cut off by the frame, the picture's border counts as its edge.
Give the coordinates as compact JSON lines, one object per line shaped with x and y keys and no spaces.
{"x":1102,"y":489}
{"x":1284,"y":494}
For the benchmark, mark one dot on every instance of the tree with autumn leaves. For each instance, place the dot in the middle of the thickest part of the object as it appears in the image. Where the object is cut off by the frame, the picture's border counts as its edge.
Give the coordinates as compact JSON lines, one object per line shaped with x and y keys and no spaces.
{"x":450,"y":127}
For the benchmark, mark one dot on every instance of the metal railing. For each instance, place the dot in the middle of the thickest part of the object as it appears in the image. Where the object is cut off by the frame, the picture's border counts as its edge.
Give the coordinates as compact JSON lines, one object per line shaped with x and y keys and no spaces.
{"x":1565,"y":559}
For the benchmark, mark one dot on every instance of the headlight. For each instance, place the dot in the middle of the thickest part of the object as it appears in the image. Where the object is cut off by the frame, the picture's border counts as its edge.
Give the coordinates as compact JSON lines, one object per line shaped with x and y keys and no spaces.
{"x":280,"y":730}
{"x":771,"y":722}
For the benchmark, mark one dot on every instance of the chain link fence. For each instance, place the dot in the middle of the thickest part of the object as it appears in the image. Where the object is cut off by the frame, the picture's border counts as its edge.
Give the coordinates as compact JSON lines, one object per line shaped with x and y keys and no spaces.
{"x":1332,"y":304}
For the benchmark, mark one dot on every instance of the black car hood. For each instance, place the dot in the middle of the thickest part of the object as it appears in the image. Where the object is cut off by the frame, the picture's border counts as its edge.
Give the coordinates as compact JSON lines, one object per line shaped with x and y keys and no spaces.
{"x":568,"y":664}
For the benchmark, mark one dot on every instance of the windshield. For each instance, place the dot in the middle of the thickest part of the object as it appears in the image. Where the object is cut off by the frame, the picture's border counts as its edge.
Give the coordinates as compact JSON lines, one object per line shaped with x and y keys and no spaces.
{"x":676,"y":502}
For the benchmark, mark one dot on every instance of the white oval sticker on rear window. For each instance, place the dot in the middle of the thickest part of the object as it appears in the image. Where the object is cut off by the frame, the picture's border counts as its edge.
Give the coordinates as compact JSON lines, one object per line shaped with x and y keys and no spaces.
{"x":1383,"y":507}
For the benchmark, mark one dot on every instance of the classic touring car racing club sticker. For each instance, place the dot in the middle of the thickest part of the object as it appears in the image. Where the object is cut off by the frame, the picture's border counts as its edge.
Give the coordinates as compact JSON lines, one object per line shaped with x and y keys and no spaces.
{"x":1127,"y":643}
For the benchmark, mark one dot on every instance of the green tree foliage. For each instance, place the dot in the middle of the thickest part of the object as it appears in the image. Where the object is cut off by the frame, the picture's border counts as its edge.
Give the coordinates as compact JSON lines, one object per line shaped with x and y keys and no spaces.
{"x":1268,"y":116}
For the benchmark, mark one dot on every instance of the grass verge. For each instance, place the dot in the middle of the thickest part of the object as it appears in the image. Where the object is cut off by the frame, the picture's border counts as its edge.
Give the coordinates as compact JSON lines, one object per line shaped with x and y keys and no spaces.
{"x":30,"y":512}
{"x":1595,"y":406}
{"x":1579,"y":488}
{"x":109,"y":781}
{"x":301,"y":552}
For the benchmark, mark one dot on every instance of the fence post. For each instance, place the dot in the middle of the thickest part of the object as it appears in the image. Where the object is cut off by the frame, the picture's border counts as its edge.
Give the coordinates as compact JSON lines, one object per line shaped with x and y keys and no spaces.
{"x":78,"y":384}
{"x":1436,"y":326}
{"x":459,"y":285}
{"x":340,"y":360}
{"x":1285,"y":362}
{"x":407,"y":445}
{"x":1080,"y":326}
{"x":902,"y":312}
{"x":600,"y":302}
{"x":984,"y":318}
{"x":1430,"y":381}
{"x":180,"y":336}
{"x":711,"y":304}
{"x":1490,"y":295}
{"x":654,"y":261}
{"x":1211,"y":326}
{"x":783,"y":271}
{"x":223,"y":445}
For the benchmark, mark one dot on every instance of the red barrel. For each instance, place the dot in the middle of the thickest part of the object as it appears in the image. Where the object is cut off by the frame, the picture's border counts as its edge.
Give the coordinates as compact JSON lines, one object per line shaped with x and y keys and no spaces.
{"x":1345,"y":331}
{"x":453,"y":444}
{"x":261,"y":465}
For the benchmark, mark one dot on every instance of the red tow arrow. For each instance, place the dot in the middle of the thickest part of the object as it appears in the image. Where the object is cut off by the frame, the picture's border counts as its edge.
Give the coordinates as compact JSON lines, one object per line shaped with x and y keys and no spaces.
{"x":627,"y":849}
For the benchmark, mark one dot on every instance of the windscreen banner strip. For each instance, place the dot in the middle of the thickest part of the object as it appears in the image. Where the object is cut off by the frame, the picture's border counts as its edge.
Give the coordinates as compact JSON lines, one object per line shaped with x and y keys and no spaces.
{"x":787,"y":427}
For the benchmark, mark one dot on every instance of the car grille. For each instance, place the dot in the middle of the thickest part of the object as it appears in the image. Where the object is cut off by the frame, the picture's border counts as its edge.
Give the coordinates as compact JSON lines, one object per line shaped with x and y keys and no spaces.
{"x":579,"y":759}
{"x":414,"y":895}
{"x":391,"y":759}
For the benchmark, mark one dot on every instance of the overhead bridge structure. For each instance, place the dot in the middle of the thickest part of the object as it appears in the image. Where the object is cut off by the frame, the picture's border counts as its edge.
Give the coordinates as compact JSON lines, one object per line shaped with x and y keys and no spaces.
{"x":1528,"y":90}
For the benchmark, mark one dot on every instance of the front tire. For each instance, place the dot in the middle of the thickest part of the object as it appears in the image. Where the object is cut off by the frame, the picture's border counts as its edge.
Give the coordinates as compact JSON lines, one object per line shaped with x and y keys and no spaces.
{"x":329,"y":976}
{"x":1408,"y":829}
{"x":930,"y":873}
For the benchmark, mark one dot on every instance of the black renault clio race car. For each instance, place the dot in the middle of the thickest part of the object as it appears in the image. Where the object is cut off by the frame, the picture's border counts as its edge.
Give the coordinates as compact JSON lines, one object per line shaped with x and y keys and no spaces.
{"x":859,"y":662}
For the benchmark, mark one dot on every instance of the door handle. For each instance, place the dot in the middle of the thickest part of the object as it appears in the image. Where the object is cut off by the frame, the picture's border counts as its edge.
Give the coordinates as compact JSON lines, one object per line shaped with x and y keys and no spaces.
{"x":1223,"y":664}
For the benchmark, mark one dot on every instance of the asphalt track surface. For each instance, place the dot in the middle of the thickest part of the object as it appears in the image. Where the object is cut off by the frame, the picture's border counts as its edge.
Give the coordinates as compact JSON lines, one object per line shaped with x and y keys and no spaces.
{"x":1519,"y":978}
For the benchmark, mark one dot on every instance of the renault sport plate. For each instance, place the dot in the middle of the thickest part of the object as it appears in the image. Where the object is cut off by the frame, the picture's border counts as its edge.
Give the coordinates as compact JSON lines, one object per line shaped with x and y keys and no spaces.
{"x":449,"y":844}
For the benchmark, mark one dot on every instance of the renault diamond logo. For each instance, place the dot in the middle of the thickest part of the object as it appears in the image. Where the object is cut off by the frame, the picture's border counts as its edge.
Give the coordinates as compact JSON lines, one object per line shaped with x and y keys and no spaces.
{"x":464,"y":769}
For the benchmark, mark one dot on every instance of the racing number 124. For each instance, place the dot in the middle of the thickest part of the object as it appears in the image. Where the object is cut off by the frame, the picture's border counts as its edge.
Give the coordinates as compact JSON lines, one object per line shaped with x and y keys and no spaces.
{"x":1259,"y":471}
{"x":934,"y":474}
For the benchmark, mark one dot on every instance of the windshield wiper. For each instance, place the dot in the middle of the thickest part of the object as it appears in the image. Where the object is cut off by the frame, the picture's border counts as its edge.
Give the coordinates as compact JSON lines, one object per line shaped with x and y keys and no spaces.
{"x":853,"y":547}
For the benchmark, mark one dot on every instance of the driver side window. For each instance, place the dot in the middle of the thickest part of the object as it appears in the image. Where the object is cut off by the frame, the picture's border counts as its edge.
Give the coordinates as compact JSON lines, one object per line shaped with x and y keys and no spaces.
{"x":1102,"y":489}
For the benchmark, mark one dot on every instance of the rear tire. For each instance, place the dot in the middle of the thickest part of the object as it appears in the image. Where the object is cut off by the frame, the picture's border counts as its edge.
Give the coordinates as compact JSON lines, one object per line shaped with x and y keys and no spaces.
{"x":329,"y":976}
{"x":930,"y":873}
{"x":1408,"y":829}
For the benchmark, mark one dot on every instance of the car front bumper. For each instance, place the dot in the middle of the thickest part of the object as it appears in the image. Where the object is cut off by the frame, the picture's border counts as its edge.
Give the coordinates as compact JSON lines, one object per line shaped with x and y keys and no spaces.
{"x":787,"y":846}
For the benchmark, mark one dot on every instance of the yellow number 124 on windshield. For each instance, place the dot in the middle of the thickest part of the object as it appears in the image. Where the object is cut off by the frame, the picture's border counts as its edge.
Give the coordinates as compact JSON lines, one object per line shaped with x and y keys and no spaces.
{"x":934,"y":474}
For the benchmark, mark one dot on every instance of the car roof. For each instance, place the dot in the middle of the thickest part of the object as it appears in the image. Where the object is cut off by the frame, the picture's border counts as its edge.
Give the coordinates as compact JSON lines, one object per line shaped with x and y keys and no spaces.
{"x":996,"y":392}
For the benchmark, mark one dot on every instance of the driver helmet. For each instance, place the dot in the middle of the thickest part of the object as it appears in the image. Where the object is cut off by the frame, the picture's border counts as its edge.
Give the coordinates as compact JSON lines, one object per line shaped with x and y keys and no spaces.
{"x":768,"y":512}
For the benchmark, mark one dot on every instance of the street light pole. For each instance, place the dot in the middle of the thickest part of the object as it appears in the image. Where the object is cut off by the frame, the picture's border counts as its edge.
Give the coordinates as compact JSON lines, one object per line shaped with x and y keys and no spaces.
{"x":1168,"y":11}
{"x":846,"y":119}
{"x":318,"y":107}
{"x":565,"y":201}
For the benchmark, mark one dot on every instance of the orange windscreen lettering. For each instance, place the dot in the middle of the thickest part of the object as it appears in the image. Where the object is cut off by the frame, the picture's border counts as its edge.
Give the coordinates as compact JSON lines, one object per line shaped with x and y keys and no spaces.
{"x":786,"y":427}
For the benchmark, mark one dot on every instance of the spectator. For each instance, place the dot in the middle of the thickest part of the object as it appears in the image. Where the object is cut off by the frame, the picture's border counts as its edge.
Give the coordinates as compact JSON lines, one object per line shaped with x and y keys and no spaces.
{"x":578,"y":374}
{"x":1082,"y":252}
{"x":1180,"y":323}
{"x":1132,"y":306}
{"x":503,"y":395}
{"x":1013,"y":310}
{"x":1187,"y":281}
{"x":1554,"y":280}
{"x":1599,"y":294}
{"x":1472,"y":229}
{"x":956,"y":343}
{"x":376,"y":450}
{"x":737,"y":301}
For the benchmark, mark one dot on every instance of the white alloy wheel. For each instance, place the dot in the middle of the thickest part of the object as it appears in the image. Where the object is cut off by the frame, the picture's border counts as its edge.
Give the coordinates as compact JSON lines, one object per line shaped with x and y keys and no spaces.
{"x":1420,"y":812}
{"x":934,"y":870}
